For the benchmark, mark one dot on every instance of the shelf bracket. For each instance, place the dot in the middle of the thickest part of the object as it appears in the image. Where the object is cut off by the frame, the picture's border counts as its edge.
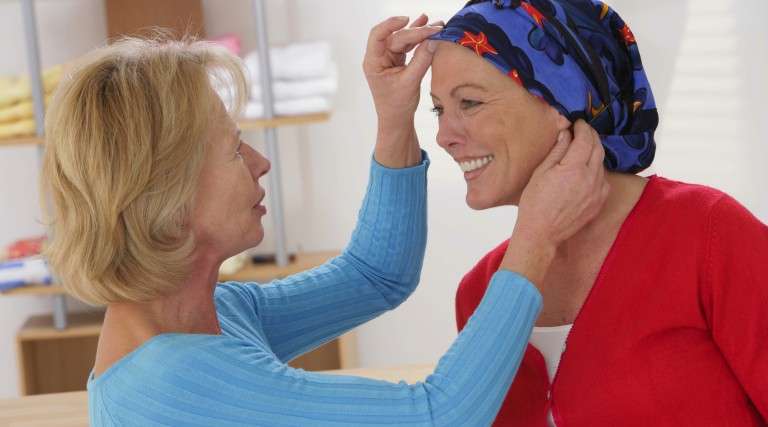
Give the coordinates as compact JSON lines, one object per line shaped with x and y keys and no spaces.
{"x":59,"y":312}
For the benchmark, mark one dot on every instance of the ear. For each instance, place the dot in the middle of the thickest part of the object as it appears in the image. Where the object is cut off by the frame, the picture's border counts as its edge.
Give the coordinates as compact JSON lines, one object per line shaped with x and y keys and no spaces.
{"x":561,"y":122}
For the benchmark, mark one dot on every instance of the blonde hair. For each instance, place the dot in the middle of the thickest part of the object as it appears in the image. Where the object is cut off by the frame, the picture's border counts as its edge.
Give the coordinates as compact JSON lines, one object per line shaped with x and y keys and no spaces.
{"x":126,"y":134}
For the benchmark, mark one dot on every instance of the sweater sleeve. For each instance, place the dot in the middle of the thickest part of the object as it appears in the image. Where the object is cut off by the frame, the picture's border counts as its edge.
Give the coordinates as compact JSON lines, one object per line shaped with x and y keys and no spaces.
{"x":209,"y":380}
{"x":377,"y":271}
{"x":735,"y":295}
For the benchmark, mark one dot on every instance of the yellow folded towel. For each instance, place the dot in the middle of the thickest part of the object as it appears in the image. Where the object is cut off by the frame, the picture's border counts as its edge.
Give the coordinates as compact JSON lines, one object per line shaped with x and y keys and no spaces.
{"x":24,"y":127}
{"x":19,"y":111}
{"x":14,"y":89}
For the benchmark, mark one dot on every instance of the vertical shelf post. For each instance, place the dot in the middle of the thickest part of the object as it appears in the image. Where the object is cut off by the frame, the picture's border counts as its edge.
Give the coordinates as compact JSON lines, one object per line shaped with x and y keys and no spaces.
{"x":270,"y":134}
{"x":33,"y":59}
{"x":38,"y":94}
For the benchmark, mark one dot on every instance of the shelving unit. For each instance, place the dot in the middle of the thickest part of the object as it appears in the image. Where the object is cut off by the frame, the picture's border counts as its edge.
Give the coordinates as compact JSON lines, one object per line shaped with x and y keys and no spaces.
{"x":56,"y":352}
{"x":52,"y":360}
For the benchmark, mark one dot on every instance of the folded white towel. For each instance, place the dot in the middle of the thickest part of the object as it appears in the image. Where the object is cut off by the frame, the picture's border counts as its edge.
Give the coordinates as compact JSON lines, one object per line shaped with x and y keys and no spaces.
{"x":291,"y":107}
{"x":24,"y":271}
{"x":292,"y":89}
{"x":294,"y":62}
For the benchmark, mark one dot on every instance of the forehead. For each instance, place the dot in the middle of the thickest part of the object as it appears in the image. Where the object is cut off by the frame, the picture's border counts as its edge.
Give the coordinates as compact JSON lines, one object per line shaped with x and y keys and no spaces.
{"x":454,"y":64}
{"x":220,"y":119}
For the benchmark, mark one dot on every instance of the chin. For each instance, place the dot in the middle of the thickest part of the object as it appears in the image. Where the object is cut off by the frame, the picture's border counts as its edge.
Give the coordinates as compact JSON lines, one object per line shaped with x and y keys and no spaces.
{"x":478,"y":204}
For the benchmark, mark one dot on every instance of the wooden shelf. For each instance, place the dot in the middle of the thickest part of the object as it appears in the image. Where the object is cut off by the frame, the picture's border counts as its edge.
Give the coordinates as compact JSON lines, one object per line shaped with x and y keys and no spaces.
{"x":269,"y":271}
{"x":251,"y":272}
{"x":244,"y":125}
{"x":38,"y":328}
{"x":39,"y":290}
{"x":21,"y":140}
{"x":282,"y":121}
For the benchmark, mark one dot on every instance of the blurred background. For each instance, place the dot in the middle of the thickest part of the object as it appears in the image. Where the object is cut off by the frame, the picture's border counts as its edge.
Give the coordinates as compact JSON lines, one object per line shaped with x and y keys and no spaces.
{"x":706,"y":60}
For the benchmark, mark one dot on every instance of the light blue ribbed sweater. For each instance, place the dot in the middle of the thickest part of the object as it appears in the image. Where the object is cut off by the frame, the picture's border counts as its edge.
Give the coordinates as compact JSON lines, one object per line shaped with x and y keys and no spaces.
{"x":240,"y":377}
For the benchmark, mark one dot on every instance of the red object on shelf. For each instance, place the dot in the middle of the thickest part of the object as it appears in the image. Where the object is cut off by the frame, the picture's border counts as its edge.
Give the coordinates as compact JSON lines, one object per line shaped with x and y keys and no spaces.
{"x":26,"y":247}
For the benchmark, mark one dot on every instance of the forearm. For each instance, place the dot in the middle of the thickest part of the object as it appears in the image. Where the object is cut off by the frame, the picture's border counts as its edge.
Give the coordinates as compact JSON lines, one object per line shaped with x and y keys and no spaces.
{"x":485,"y":357}
{"x":389,"y":240}
{"x":377,"y":271}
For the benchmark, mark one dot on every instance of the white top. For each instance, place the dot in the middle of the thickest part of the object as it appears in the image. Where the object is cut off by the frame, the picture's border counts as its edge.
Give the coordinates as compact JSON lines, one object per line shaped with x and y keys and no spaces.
{"x":550,"y":341}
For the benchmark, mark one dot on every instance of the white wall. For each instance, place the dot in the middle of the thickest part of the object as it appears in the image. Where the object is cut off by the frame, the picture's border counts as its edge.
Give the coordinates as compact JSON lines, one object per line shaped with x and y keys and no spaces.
{"x":324,"y":166}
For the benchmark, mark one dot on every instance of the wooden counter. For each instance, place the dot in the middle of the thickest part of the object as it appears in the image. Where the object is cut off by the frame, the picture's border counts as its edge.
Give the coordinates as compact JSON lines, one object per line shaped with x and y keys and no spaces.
{"x":71,"y":409}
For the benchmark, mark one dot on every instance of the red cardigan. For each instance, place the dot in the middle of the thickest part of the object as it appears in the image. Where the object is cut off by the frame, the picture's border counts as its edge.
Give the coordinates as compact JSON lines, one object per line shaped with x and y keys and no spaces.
{"x":674,"y":331}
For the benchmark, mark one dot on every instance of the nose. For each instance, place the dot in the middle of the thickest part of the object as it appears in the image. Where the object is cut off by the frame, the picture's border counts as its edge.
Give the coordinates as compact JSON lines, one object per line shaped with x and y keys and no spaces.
{"x":257,"y":164}
{"x":448,"y":134}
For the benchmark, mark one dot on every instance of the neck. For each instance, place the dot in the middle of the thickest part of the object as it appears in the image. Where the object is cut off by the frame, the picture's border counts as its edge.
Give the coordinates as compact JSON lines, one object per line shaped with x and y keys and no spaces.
{"x":626,"y":190}
{"x":189,"y":310}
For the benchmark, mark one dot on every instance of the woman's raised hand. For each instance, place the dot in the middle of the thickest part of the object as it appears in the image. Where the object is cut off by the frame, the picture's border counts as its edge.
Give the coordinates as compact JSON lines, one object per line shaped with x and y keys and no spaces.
{"x":396,"y":86}
{"x":565,"y":193}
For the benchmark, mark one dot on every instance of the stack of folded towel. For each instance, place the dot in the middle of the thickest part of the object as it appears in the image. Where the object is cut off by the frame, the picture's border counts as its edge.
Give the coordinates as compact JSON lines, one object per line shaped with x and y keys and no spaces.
{"x":304,"y":77}
{"x":16,"y":110}
{"x":22,"y":265}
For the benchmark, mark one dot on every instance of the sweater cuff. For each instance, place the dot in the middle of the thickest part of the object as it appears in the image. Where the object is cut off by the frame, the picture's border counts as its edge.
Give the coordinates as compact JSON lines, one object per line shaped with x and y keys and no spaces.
{"x":377,"y":168}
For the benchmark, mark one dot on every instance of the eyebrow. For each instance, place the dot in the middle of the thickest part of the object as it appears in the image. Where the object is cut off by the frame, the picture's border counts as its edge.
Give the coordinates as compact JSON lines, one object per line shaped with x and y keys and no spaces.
{"x":462,"y":86}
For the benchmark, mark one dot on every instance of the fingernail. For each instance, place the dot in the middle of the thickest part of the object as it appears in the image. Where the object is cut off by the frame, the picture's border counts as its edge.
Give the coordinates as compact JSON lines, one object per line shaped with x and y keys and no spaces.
{"x":432,"y":46}
{"x":560,"y":136}
{"x":401,"y":18}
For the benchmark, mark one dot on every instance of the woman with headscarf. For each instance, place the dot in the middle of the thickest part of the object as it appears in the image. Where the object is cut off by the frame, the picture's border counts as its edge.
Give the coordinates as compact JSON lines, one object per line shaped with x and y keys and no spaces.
{"x":654,"y":313}
{"x":151,"y":188}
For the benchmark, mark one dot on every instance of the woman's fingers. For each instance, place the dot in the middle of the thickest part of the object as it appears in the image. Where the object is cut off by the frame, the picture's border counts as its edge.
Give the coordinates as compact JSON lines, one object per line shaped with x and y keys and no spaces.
{"x":584,"y":140}
{"x":420,"y":62}
{"x":559,"y":149}
{"x":389,"y":41}
{"x":378,"y":36}
{"x":420,"y":21}
{"x":404,"y":41}
{"x":395,"y":85}
{"x":597,"y":156}
{"x":568,"y":189}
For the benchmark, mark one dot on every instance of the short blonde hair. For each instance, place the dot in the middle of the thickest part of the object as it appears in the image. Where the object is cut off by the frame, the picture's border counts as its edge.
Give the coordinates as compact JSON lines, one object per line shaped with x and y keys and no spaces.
{"x":126,"y":134}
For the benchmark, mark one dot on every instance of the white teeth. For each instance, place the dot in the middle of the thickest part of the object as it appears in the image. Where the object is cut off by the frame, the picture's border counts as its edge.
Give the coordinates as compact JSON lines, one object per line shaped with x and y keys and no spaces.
{"x":471,"y":165}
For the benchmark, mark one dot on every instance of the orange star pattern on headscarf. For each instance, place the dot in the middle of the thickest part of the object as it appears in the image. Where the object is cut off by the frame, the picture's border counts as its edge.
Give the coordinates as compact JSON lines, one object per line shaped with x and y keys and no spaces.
{"x":479,"y":42}
{"x":535,"y":14}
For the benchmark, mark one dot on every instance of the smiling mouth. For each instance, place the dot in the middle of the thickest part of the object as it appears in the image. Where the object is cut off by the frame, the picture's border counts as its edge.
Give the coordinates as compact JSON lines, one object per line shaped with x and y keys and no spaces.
{"x":470,"y":165}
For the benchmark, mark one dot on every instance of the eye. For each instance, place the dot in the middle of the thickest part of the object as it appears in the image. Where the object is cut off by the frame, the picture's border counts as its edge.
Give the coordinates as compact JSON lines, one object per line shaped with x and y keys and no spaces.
{"x":437,"y":111}
{"x":469,"y":103}
{"x":239,"y":151}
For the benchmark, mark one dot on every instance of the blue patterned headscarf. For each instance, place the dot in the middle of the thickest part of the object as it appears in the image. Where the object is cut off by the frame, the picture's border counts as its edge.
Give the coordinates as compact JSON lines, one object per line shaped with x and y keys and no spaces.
{"x":576,"y":55}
